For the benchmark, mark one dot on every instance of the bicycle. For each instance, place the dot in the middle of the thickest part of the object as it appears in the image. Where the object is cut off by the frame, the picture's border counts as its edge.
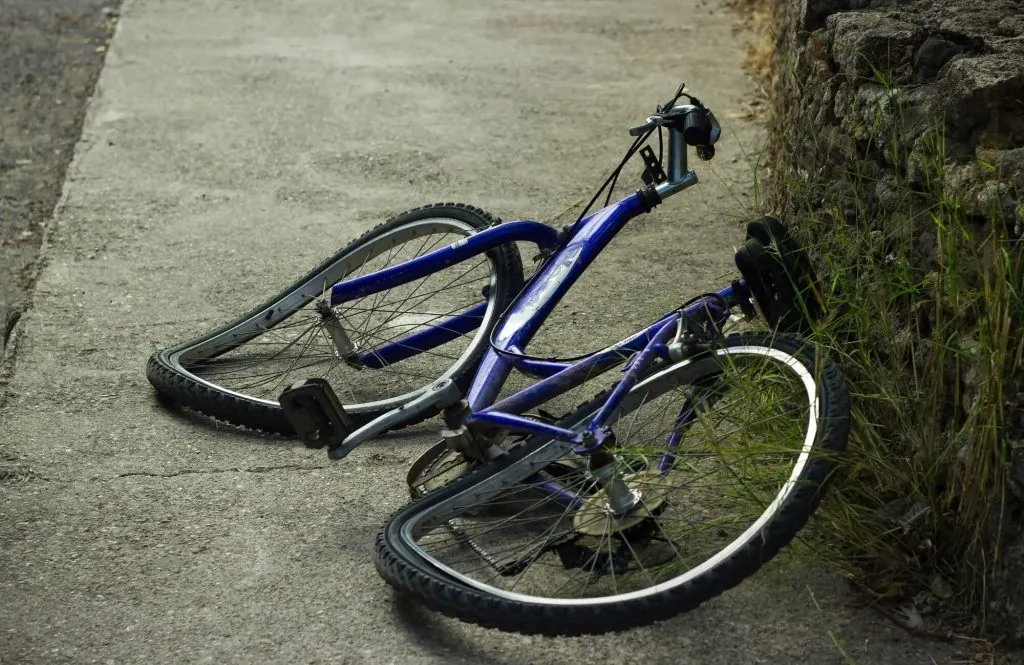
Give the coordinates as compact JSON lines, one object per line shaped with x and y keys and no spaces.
{"x":520,"y":520}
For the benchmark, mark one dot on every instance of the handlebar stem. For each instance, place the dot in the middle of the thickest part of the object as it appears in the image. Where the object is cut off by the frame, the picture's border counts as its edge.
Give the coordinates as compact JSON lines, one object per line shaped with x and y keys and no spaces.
{"x":676,"y":155}
{"x":679,"y":177}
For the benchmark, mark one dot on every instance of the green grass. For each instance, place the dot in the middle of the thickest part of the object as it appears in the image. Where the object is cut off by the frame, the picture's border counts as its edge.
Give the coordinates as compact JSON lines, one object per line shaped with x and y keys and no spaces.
{"x":925,"y":312}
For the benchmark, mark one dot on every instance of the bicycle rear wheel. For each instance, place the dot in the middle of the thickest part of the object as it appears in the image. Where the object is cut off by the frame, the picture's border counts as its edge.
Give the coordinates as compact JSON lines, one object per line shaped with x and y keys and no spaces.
{"x":237,"y":372}
{"x":726,"y":455}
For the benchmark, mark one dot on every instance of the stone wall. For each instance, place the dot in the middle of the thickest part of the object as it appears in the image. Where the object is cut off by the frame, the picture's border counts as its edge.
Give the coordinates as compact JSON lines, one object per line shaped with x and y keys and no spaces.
{"x":957,"y":66}
{"x":873,"y":88}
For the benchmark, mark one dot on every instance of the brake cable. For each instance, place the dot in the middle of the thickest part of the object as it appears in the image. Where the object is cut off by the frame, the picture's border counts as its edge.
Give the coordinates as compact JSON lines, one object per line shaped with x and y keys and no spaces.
{"x":609,"y":184}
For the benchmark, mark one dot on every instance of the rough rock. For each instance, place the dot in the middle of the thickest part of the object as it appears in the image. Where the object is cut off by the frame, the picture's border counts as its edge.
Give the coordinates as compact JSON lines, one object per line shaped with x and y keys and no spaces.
{"x":891,"y":96}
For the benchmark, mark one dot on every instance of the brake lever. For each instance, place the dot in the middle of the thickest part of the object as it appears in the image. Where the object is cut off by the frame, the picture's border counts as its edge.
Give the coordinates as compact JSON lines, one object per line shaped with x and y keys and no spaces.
{"x":647,"y":126}
{"x":659,"y":119}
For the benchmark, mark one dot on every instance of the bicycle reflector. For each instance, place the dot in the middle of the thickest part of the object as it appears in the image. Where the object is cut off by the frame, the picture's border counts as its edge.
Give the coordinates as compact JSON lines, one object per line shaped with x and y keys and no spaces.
{"x":315,"y":413}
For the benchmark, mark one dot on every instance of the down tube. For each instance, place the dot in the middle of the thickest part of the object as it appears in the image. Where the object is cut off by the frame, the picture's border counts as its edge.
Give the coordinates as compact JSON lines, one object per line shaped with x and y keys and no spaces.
{"x":535,"y":303}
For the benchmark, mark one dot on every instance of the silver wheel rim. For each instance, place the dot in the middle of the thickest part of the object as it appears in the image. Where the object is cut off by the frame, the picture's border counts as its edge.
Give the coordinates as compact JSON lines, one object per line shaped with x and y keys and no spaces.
{"x":679,"y":374}
{"x":300,"y":299}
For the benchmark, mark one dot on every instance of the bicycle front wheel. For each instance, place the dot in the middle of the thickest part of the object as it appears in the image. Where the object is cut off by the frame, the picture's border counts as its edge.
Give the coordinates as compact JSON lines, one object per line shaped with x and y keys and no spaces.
{"x":237,"y":372}
{"x":725,"y":456}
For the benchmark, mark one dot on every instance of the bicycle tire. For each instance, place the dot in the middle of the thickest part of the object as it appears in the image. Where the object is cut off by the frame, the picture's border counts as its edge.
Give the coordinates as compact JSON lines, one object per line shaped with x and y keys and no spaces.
{"x":175,"y":379}
{"x":410,"y":572}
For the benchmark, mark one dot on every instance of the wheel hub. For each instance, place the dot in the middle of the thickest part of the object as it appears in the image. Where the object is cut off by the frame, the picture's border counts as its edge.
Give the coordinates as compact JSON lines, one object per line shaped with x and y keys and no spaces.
{"x":596,"y":517}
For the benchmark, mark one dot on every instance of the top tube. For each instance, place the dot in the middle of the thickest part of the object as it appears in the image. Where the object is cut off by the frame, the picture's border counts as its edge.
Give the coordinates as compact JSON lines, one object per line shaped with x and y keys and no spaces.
{"x":545,"y":237}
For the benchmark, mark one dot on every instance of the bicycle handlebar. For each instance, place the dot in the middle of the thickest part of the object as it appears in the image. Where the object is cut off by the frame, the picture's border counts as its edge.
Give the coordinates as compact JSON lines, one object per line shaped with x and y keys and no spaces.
{"x":697,"y":123}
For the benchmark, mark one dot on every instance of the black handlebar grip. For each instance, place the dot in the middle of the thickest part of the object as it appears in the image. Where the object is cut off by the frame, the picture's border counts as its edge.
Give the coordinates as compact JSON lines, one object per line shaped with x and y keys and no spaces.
{"x":696,"y":128}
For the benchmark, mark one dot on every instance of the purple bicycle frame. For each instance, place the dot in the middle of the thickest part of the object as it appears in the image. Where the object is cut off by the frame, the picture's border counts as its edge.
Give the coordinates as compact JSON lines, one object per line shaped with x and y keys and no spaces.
{"x":570,"y":258}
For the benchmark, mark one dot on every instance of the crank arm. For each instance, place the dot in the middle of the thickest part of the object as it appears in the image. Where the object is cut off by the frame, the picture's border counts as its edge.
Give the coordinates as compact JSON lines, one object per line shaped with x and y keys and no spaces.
{"x":443,"y":393}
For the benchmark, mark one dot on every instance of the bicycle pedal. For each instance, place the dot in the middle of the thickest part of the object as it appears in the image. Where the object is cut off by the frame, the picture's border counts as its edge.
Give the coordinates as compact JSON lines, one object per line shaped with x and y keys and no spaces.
{"x":315,"y":413}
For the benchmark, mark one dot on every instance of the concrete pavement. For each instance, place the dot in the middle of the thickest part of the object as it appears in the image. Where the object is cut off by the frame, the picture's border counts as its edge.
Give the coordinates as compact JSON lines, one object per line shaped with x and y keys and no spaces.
{"x":229,"y":147}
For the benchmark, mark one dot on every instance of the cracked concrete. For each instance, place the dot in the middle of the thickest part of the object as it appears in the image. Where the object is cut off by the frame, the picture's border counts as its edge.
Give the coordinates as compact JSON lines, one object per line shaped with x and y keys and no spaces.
{"x":229,"y":147}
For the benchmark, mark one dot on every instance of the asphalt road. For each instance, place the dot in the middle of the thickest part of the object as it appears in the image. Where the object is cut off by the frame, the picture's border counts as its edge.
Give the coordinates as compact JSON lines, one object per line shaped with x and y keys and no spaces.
{"x":51,"y":53}
{"x":230,"y":146}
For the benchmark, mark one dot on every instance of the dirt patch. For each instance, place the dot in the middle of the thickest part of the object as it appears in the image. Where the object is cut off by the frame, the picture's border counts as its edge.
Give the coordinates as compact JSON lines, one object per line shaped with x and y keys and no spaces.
{"x":52,"y":53}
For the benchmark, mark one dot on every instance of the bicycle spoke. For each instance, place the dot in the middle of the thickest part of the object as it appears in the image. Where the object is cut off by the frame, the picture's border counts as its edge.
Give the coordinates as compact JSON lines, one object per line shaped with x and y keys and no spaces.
{"x":734,"y":441}
{"x":383,"y":294}
{"x":261,"y":355}
{"x":424,"y":297}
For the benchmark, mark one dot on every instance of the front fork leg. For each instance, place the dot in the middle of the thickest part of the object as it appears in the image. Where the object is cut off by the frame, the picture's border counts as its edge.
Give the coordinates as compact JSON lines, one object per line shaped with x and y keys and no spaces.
{"x":346,"y":349}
